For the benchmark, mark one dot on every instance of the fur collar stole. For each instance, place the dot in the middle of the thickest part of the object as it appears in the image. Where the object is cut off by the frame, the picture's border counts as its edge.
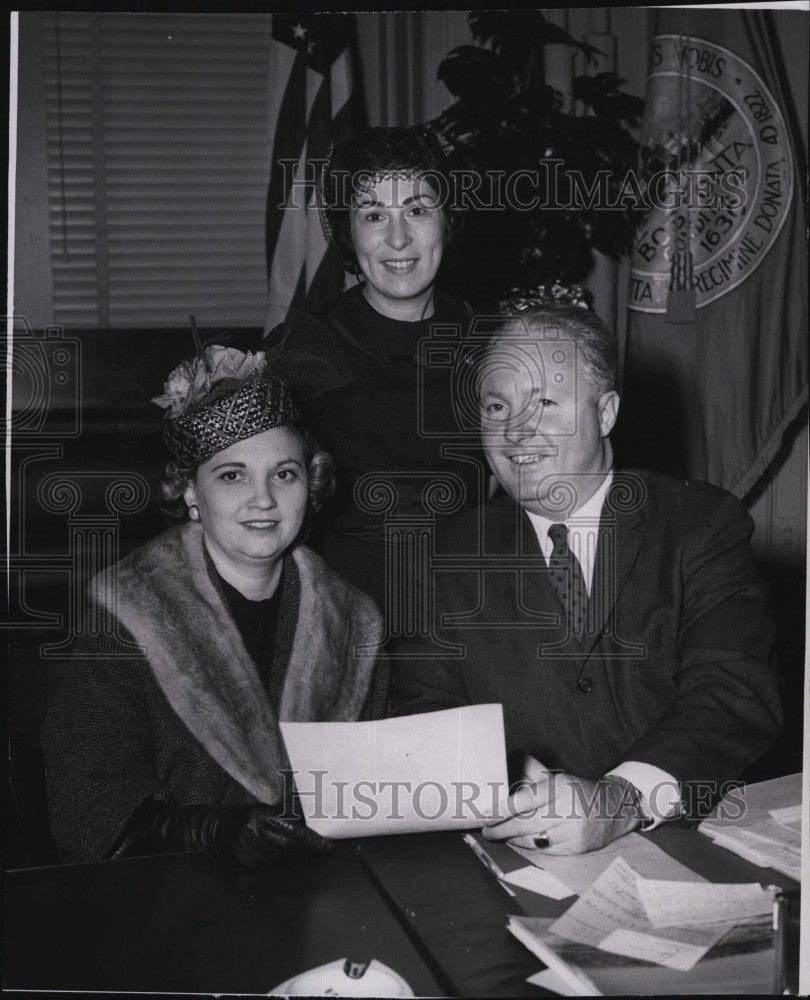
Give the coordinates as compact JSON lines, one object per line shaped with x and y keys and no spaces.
{"x":163,"y":594}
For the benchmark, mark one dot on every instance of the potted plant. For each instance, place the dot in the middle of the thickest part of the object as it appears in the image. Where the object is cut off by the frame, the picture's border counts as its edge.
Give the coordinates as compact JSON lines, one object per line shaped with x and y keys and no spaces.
{"x":573,"y":170}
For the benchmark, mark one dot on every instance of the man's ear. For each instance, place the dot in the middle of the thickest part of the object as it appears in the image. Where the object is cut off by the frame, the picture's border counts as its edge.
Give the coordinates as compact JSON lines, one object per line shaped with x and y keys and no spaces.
{"x":608,"y":411}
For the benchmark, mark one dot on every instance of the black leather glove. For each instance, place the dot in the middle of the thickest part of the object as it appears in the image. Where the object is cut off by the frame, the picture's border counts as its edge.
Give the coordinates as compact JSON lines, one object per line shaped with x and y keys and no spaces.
{"x":252,"y":835}
{"x":257,"y":835}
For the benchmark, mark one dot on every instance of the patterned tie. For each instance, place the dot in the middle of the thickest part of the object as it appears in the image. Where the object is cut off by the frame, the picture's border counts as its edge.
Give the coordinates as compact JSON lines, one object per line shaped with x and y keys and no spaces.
{"x":565,"y":576}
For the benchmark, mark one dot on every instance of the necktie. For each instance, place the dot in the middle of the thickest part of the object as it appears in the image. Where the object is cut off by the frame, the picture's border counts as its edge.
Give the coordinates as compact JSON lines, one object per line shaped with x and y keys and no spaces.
{"x":565,"y":576}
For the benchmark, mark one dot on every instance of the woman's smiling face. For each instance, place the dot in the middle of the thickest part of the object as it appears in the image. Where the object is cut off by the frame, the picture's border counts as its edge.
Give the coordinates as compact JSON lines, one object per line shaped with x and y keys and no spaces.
{"x":252,"y":498}
{"x":397,"y":228}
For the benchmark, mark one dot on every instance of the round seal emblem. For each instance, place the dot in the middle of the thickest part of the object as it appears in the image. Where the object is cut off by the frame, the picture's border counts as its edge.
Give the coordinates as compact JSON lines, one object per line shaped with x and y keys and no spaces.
{"x":717,"y":171}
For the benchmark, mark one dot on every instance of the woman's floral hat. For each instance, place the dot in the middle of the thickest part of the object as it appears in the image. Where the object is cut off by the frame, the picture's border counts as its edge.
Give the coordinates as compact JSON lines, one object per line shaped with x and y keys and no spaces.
{"x":218,"y":398}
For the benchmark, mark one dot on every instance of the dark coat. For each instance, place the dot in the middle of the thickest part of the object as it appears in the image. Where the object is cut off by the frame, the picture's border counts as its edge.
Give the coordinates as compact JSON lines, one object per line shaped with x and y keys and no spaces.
{"x":172,"y":707}
{"x":384,"y":410}
{"x":676,"y":670}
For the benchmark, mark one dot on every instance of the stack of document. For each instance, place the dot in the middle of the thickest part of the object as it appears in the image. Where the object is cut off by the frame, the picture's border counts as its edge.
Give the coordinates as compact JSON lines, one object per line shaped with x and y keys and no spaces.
{"x":644,"y":923}
{"x":762,"y":845}
{"x":742,"y":962}
{"x":761,"y":823}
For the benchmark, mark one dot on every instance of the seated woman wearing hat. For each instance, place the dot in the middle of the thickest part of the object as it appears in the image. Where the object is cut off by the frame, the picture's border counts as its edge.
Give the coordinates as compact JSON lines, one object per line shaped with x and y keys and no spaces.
{"x":385,"y":206}
{"x":165,"y":735}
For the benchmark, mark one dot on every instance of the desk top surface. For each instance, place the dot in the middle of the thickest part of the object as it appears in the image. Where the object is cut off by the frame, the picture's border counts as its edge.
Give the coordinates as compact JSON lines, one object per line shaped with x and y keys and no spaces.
{"x":189,"y":923}
{"x":424,"y":905}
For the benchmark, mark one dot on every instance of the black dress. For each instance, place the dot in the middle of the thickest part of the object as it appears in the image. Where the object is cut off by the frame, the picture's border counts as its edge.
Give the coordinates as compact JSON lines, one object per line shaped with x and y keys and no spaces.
{"x":391,"y":427}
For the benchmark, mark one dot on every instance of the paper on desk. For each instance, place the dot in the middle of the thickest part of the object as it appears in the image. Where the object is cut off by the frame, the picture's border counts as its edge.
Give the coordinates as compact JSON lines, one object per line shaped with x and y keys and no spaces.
{"x":758,"y":833}
{"x":539,"y":881}
{"x":435,"y":771}
{"x":765,"y":854}
{"x":790,"y":816}
{"x":761,"y":823}
{"x":533,"y":933}
{"x":684,"y":904}
{"x":580,"y":871}
{"x":611,"y":917}
{"x":740,"y":963}
{"x":548,"y":979}
{"x":758,"y":799}
{"x":662,"y":950}
{"x":764,"y":842}
{"x":774,"y":832}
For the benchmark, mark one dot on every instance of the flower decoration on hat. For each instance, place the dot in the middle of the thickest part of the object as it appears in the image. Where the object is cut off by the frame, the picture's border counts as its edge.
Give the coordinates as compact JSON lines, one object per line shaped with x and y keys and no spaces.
{"x":191,"y":380}
{"x":218,"y":398}
{"x":557,"y":294}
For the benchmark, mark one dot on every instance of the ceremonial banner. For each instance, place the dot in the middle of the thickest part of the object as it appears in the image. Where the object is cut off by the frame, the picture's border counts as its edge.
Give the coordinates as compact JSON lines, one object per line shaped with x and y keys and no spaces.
{"x":716,"y":363}
{"x":315,"y":99}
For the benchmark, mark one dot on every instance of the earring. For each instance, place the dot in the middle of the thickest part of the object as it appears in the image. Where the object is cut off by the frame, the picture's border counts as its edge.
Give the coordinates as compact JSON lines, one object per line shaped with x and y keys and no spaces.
{"x":193,"y":512}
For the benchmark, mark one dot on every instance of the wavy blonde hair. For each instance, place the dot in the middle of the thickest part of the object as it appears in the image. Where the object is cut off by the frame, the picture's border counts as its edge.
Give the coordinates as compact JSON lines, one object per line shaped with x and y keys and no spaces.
{"x":320,"y":482}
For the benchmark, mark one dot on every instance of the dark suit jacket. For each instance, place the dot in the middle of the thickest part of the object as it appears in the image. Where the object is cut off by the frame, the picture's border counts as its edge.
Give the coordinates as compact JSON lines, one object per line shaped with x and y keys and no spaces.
{"x":676,"y":669}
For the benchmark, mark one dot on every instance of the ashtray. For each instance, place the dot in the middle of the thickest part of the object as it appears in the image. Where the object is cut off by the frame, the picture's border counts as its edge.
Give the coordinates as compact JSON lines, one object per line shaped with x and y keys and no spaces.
{"x":344,"y":978}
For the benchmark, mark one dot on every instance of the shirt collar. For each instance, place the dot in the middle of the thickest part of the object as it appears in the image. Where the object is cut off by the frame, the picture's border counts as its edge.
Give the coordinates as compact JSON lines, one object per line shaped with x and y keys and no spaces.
{"x":588,"y":513}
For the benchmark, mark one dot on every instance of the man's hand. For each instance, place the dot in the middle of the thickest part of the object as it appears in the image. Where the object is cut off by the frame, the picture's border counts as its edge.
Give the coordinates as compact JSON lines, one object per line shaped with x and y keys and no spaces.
{"x":562,"y":814}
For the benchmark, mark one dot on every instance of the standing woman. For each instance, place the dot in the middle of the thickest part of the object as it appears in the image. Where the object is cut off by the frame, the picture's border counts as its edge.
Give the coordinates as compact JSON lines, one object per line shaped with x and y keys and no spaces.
{"x":384,"y":201}
{"x":165,"y":734}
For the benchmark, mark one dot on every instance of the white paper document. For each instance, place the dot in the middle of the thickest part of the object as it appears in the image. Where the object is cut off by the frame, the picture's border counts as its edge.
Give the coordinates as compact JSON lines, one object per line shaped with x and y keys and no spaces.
{"x":661,"y":950}
{"x":539,"y":881}
{"x":611,"y":917}
{"x":742,"y":963}
{"x":774,"y":832}
{"x":765,"y":833}
{"x":576,"y":982}
{"x":790,"y":816}
{"x":759,"y":799}
{"x":580,"y":871}
{"x":435,"y":771}
{"x":759,"y":849}
{"x":762,"y":823}
{"x":683,"y":904}
{"x":548,"y":979}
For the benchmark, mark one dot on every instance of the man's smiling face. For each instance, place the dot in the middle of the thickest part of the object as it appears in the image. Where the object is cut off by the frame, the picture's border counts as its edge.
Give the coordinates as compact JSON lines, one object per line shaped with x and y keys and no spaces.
{"x":544,"y":424}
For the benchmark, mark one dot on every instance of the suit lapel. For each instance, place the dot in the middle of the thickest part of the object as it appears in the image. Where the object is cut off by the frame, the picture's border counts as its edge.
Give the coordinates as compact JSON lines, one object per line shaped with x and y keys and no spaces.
{"x":510,"y":535}
{"x":621,"y":535}
{"x":515,"y":535}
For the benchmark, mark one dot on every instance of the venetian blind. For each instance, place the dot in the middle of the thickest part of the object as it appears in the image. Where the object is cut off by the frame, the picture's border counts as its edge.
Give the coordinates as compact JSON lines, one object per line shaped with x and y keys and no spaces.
{"x":157,"y":167}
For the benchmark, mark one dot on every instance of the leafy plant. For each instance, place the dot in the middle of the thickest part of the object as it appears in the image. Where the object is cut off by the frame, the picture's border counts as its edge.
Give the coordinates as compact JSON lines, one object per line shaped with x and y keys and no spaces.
{"x":506,"y":118}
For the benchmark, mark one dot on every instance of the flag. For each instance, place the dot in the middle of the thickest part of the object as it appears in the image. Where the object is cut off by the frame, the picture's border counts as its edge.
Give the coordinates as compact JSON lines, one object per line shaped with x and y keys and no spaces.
{"x":315,"y":99}
{"x":716,"y":362}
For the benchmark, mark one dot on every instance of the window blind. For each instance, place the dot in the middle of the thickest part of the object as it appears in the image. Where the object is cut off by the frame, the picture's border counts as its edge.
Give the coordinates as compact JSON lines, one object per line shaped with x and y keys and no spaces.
{"x":157,"y":139}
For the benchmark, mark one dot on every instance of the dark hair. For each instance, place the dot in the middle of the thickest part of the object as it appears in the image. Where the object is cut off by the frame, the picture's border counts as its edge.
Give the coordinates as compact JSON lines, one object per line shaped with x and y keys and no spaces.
{"x":411,"y":151}
{"x":595,"y":339}
{"x":320,"y":482}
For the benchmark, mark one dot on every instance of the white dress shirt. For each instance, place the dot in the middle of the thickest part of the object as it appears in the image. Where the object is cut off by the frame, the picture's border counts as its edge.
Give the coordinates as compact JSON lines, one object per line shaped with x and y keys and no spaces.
{"x":660,"y":795}
{"x":583,"y":530}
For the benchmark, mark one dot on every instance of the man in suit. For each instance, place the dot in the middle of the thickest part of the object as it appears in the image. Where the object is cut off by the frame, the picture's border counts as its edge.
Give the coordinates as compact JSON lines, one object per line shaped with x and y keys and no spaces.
{"x":618,"y":617}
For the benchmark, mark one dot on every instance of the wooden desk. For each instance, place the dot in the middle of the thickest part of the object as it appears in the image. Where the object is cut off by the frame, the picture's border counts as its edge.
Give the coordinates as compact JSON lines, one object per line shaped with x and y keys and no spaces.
{"x":424,"y":905}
